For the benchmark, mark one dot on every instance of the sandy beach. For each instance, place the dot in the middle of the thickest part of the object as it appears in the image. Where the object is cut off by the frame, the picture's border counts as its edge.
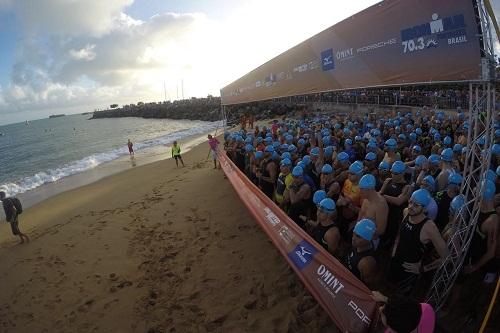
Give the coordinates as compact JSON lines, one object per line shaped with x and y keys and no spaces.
{"x":152,"y":249}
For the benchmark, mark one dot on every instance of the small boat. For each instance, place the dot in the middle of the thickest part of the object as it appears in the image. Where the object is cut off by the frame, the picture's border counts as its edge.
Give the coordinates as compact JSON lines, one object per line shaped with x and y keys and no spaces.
{"x":56,"y":115}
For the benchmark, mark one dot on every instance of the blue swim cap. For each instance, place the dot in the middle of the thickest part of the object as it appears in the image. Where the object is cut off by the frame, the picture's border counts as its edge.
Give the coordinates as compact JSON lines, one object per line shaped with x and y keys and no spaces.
{"x":318,"y":196}
{"x":495,"y":149}
{"x":367,"y":182}
{"x":348,"y":142}
{"x":284,"y":147}
{"x":329,"y":151}
{"x":326,"y":140}
{"x":365,"y":228}
{"x":402,"y":137}
{"x":248,"y":140}
{"x":434,"y":159}
{"x":489,"y":189}
{"x":315,"y":151}
{"x":356,"y":168}
{"x":291,"y":148}
{"x":259,"y":154}
{"x":370,"y":156}
{"x":384,"y":166}
{"x":286,"y":155}
{"x":306,"y":159}
{"x":497,"y":133}
{"x":413,"y":136}
{"x":327,"y":205}
{"x":481,"y":140}
{"x":491,"y":175}
{"x":421,"y":197}
{"x":457,"y":203}
{"x":286,"y":162}
{"x":457,"y":148}
{"x":276,"y":145}
{"x":342,"y":157}
{"x":447,"y":140}
{"x":371,"y":145}
{"x":398,"y":167}
{"x":357,"y":138}
{"x":417,"y":148}
{"x":268,"y":140}
{"x":249,"y":148}
{"x":327,"y":169}
{"x":418,"y":131}
{"x":437,"y":137}
{"x":421,"y":159}
{"x":447,"y":155}
{"x":297,"y":171}
{"x":455,"y":179}
{"x":301,"y":142}
{"x":269,"y":149}
{"x":376,"y":132}
{"x":430,"y":181}
{"x":391,"y":144}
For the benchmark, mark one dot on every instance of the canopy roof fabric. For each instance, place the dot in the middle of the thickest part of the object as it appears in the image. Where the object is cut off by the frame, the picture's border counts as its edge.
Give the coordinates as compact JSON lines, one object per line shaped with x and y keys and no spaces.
{"x":394,"y":42}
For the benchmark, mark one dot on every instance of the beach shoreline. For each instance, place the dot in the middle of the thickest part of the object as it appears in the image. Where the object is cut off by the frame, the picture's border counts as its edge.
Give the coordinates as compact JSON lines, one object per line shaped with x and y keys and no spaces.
{"x":123,"y":163}
{"x":151,"y":249}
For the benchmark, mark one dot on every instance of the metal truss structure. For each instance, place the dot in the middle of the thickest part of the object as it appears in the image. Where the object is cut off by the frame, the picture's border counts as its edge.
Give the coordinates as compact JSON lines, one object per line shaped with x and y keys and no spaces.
{"x":481,"y":126}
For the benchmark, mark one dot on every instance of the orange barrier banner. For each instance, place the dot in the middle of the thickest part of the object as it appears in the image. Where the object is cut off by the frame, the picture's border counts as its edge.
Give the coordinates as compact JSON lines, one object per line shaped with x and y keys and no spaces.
{"x":346,"y":299}
{"x":393,"y":42}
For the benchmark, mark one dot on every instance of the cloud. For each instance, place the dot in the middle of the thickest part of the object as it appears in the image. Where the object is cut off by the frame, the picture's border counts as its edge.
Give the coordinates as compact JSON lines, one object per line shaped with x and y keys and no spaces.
{"x":63,"y":17}
{"x":87,"y":53}
{"x":84,"y":53}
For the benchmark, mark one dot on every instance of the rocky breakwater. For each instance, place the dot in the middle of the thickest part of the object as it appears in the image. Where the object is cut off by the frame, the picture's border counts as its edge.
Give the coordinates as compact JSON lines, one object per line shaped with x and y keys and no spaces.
{"x":207,"y":109}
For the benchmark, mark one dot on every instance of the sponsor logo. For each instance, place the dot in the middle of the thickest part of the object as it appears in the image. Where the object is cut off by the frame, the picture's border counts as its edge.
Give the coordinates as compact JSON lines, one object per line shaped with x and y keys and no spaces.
{"x":271,"y":217}
{"x":286,"y":234}
{"x":327,"y":60}
{"x":344,"y":54}
{"x":332,"y":285}
{"x":427,"y":35}
{"x":377,"y":45}
{"x":302,"y":254}
{"x":359,"y":312}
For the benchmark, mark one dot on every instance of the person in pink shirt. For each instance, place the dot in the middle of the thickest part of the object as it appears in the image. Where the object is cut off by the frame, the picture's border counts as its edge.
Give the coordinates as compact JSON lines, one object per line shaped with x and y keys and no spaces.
{"x":400,"y":314}
{"x":214,"y":144}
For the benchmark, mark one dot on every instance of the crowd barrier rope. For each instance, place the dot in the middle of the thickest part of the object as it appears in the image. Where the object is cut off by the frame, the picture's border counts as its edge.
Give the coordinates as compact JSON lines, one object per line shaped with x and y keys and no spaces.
{"x":344,"y":297}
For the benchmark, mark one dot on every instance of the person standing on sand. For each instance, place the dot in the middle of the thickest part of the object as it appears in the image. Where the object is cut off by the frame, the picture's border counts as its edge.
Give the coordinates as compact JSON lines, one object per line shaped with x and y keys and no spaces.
{"x":12,"y":216}
{"x":130,"y":146}
{"x":176,"y":153}
{"x":213,"y":143}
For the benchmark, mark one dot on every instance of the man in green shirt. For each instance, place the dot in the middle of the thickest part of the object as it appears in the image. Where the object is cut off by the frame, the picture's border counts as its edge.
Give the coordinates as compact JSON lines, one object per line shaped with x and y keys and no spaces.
{"x":176,"y":153}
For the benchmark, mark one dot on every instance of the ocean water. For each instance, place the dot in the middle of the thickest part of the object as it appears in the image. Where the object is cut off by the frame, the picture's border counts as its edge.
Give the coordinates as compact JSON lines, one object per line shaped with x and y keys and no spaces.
{"x":48,"y":150}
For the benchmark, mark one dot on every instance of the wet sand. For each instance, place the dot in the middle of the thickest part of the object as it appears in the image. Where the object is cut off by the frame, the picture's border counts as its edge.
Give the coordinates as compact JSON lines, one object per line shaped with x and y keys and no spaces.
{"x":152,"y":249}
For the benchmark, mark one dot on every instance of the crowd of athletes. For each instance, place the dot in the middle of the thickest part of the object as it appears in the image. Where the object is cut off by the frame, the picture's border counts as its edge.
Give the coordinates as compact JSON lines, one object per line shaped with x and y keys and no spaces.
{"x":378,"y":191}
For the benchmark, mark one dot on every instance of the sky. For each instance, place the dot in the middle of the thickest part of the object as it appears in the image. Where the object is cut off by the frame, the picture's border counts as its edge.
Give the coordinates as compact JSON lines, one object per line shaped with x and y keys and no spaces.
{"x":62,"y":56}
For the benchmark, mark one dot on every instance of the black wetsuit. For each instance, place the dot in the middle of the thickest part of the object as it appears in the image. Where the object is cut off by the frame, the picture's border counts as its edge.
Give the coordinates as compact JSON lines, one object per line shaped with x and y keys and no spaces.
{"x":280,"y":184}
{"x":319,"y":234}
{"x":355,"y":257}
{"x":299,"y":208}
{"x":266,"y":187}
{"x":409,"y":249}
{"x":443,"y":201}
{"x":395,"y":215}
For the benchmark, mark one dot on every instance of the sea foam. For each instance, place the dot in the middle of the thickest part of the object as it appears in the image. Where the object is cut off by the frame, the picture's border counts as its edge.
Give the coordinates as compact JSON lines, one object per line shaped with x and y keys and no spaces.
{"x":89,"y":162}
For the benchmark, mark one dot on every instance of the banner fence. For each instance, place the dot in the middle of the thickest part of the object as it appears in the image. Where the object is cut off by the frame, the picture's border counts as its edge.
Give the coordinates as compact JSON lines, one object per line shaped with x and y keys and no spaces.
{"x":346,"y":299}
